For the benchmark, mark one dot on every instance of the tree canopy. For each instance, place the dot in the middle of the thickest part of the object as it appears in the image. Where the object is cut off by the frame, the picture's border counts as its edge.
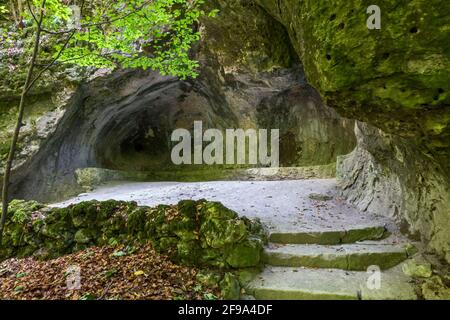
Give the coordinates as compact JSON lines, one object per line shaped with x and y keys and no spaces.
{"x":155,"y":34}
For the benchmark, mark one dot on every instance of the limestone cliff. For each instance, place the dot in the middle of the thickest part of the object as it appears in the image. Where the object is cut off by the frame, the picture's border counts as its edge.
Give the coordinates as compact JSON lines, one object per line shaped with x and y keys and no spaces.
{"x":396,"y":79}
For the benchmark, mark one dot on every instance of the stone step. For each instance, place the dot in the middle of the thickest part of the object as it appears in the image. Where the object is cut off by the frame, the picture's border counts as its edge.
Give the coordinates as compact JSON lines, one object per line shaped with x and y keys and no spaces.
{"x":329,"y":237}
{"x":285,"y":283}
{"x":348,"y":257}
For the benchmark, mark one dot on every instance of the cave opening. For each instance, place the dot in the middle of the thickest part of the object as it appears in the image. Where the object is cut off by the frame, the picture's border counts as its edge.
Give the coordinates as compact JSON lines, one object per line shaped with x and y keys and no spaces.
{"x":136,"y":142}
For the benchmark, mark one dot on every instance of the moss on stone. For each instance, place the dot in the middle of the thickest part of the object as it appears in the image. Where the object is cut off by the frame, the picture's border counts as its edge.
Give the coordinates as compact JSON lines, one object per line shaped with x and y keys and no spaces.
{"x":435,"y":289}
{"x":417,"y":268}
{"x":199,"y":233}
{"x":230,"y":287}
{"x":396,"y":78}
{"x":245,"y":254}
{"x":245,"y":37}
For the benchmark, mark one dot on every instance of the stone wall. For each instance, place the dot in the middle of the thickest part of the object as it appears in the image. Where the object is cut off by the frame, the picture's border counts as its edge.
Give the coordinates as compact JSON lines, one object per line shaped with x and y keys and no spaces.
{"x":310,"y":132}
{"x":198,"y":233}
{"x":396,"y":78}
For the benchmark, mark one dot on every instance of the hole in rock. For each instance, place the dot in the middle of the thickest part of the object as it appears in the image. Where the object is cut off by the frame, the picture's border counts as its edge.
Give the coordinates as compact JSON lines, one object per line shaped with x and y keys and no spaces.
{"x":136,"y":142}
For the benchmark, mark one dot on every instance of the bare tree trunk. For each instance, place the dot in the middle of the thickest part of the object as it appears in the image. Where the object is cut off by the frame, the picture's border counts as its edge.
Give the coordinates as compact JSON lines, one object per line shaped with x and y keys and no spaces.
{"x":15,"y":138}
{"x":12,"y":8}
{"x":17,"y":12}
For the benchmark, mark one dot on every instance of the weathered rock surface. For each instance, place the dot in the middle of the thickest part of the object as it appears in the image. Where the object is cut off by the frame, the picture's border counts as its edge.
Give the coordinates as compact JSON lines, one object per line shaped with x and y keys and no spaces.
{"x":283,"y":206}
{"x":388,"y":175}
{"x":308,"y":235}
{"x":358,"y":256}
{"x":123,"y":121}
{"x":295,"y":219}
{"x":310,"y":133}
{"x":435,"y":289}
{"x":416,"y":268}
{"x":396,"y":78}
{"x":284,"y":283}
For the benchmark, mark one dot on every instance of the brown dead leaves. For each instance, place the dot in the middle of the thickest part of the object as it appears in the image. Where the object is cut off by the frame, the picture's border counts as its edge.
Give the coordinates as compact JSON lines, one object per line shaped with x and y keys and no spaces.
{"x":106,"y":273}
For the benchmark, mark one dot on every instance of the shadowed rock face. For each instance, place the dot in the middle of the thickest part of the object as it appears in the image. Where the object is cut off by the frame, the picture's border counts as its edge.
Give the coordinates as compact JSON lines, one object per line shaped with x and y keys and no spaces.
{"x":388,"y":175}
{"x":396,"y":78}
{"x":125,"y":122}
{"x":122,"y":120}
{"x":311,"y":133}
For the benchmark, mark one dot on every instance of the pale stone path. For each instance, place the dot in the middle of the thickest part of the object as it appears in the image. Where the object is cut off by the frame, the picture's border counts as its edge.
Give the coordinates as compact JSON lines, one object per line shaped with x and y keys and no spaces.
{"x":320,"y":249}
{"x":281,"y":205}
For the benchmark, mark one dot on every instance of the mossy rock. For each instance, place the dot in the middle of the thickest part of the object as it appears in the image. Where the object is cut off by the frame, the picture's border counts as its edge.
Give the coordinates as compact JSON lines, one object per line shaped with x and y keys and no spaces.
{"x":435,"y":289}
{"x":230,"y":287}
{"x":219,"y":233}
{"x":245,"y":254}
{"x":209,"y":278}
{"x":198,"y":233}
{"x":20,"y":210}
{"x":417,"y":268}
{"x":84,"y":236}
{"x":396,"y":78}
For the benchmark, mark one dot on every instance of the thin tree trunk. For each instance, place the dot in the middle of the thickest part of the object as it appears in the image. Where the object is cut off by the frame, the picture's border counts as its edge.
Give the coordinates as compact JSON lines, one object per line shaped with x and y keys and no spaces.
{"x":14,"y":13}
{"x":15,"y":138}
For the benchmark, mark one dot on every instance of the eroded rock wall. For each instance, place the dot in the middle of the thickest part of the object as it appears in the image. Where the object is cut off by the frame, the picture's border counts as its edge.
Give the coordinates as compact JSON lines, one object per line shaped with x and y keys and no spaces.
{"x":310,"y":132}
{"x":387,"y":175}
{"x":396,"y":79}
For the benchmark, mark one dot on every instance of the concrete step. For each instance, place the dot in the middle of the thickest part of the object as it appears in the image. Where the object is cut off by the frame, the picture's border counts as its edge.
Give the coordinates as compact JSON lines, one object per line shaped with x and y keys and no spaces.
{"x":285,"y":283}
{"x":347,"y":257}
{"x":329,"y":237}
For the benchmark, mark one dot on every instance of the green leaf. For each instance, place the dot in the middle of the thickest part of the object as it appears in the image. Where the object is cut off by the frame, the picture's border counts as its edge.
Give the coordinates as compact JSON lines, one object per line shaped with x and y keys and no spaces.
{"x":88,"y":296}
{"x":209,"y":296}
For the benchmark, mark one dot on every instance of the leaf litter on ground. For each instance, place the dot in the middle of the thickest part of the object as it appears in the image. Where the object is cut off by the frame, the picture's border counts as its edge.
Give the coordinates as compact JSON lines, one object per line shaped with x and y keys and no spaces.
{"x":129,"y":273}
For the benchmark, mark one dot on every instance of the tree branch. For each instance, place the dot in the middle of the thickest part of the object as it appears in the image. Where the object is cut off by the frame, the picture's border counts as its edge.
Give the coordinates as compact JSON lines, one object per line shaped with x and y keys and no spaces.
{"x":48,"y":66}
{"x":31,"y":11}
{"x":99,"y":24}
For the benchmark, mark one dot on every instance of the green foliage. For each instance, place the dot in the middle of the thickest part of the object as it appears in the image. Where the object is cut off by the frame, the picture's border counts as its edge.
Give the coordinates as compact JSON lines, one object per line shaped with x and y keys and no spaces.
{"x":56,"y":13}
{"x":143,"y":34}
{"x":3,"y":10}
{"x":21,"y":210}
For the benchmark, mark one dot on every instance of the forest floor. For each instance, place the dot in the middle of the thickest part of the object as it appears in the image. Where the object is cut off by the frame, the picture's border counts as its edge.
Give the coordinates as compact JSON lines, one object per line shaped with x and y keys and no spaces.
{"x":130,"y":273}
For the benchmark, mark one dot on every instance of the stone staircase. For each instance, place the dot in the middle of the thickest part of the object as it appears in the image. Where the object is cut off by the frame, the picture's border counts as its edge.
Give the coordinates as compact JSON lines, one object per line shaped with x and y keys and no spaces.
{"x":320,"y":245}
{"x":333,"y":264}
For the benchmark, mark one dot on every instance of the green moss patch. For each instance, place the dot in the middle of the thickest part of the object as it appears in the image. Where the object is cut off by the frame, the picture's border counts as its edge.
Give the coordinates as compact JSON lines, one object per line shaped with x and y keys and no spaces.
{"x":197,"y":233}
